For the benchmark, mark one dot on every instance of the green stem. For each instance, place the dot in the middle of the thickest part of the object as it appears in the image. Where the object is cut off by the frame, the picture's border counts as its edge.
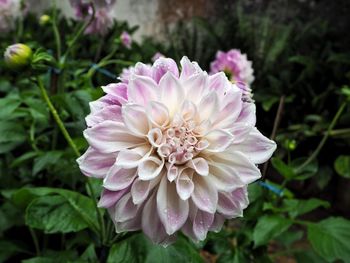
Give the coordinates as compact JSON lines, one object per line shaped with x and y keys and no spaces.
{"x":99,"y":213}
{"x":19,"y":30}
{"x":301,"y":222}
{"x":35,"y":240}
{"x":56,"y":34}
{"x":103,"y":63}
{"x":80,"y":31}
{"x":32,"y":137}
{"x":324,"y":139}
{"x":340,"y":132}
{"x":57,"y":117}
{"x":74,"y":148}
{"x":122,"y":237}
{"x":274,"y":129}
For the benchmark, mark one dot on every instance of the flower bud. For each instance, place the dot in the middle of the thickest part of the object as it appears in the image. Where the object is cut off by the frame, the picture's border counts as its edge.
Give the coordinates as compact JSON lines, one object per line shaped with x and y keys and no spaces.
{"x":44,"y":20}
{"x":126,"y":39}
{"x":18,"y":55}
{"x":292,"y":144}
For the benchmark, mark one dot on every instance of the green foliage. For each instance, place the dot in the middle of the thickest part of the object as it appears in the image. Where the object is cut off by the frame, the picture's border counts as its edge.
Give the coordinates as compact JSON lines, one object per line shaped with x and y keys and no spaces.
{"x":56,"y":210}
{"x":54,"y":215}
{"x":342,"y":165}
{"x":269,"y":227}
{"x":330,"y":238}
{"x":139,"y":249}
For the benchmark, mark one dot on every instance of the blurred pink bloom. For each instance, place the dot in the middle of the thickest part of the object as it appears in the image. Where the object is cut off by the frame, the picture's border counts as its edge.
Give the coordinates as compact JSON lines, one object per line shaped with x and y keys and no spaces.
{"x":156,"y":56}
{"x":9,"y":12}
{"x":101,"y":24}
{"x":235,"y":65}
{"x":103,"y":19}
{"x":126,"y":39}
{"x":175,"y":149}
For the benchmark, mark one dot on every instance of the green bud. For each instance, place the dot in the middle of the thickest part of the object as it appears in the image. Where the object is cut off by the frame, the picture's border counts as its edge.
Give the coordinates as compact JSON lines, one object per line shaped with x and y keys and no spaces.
{"x":44,"y":20}
{"x":292,"y":144}
{"x":18,"y":55}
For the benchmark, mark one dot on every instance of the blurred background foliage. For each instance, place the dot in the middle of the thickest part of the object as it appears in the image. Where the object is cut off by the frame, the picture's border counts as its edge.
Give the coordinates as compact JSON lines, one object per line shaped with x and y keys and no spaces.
{"x":299,"y":211}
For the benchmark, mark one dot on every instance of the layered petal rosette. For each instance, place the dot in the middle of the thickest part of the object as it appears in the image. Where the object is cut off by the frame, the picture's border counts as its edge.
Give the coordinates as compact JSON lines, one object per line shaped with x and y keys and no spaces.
{"x":235,"y":64}
{"x":103,"y":19}
{"x":176,"y":150}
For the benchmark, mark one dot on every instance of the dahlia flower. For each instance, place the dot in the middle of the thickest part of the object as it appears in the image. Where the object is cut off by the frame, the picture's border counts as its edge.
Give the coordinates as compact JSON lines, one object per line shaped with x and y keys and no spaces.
{"x":9,"y":11}
{"x":126,"y":39}
{"x":103,"y":19}
{"x":157,"y":55}
{"x":139,"y":69}
{"x":175,"y":149}
{"x":235,"y":65}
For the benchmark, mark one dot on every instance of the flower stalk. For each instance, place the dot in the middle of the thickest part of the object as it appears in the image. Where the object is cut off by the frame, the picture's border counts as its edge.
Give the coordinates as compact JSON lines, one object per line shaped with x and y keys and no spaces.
{"x":80,"y":31}
{"x":74,"y":148}
{"x":324,"y":139}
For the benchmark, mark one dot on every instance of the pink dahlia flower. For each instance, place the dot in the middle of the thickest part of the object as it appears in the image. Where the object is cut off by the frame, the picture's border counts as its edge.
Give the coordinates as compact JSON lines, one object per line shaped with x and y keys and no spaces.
{"x":103,"y":19}
{"x":175,"y":149}
{"x":126,"y":39}
{"x":157,"y":55}
{"x":235,"y":65}
{"x":9,"y":12}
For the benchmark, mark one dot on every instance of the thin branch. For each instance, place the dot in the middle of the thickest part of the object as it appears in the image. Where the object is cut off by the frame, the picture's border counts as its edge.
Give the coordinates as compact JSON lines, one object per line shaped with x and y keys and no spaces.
{"x":274,"y":130}
{"x":324,"y":139}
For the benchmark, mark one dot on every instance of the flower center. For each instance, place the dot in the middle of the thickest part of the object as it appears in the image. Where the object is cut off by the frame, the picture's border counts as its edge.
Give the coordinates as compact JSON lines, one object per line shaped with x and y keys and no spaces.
{"x":177,"y":144}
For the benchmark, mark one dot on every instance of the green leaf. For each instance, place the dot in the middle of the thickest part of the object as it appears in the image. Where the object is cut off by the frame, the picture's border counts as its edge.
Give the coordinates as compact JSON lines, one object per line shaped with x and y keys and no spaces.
{"x":285,"y":170}
{"x":139,"y":249}
{"x":345,"y":90}
{"x":323,"y":176}
{"x":331,"y":238}
{"x":8,"y":105}
{"x":22,"y":197}
{"x":307,"y":171}
{"x":46,"y":159}
{"x":181,"y":251}
{"x":269,"y":227}
{"x":54,"y":214}
{"x":89,"y":255}
{"x":309,"y":257}
{"x":305,"y":206}
{"x":239,"y":257}
{"x":289,"y":237}
{"x":121,"y":252}
{"x":11,"y":135}
{"x":269,"y":102}
{"x":342,"y":165}
{"x":8,"y":249}
{"x":9,"y":216}
{"x":277,"y":47}
{"x":23,"y":158}
{"x":255,"y":192}
{"x":50,"y":256}
{"x":80,"y":205}
{"x":38,"y":110}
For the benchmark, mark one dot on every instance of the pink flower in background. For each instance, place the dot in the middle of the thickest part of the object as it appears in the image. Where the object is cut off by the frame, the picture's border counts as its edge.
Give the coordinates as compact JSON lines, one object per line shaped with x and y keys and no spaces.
{"x":101,"y":24}
{"x":157,"y":55}
{"x":235,"y":65}
{"x":103,"y":19}
{"x":9,"y":12}
{"x":126,"y":39}
{"x":175,"y":149}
